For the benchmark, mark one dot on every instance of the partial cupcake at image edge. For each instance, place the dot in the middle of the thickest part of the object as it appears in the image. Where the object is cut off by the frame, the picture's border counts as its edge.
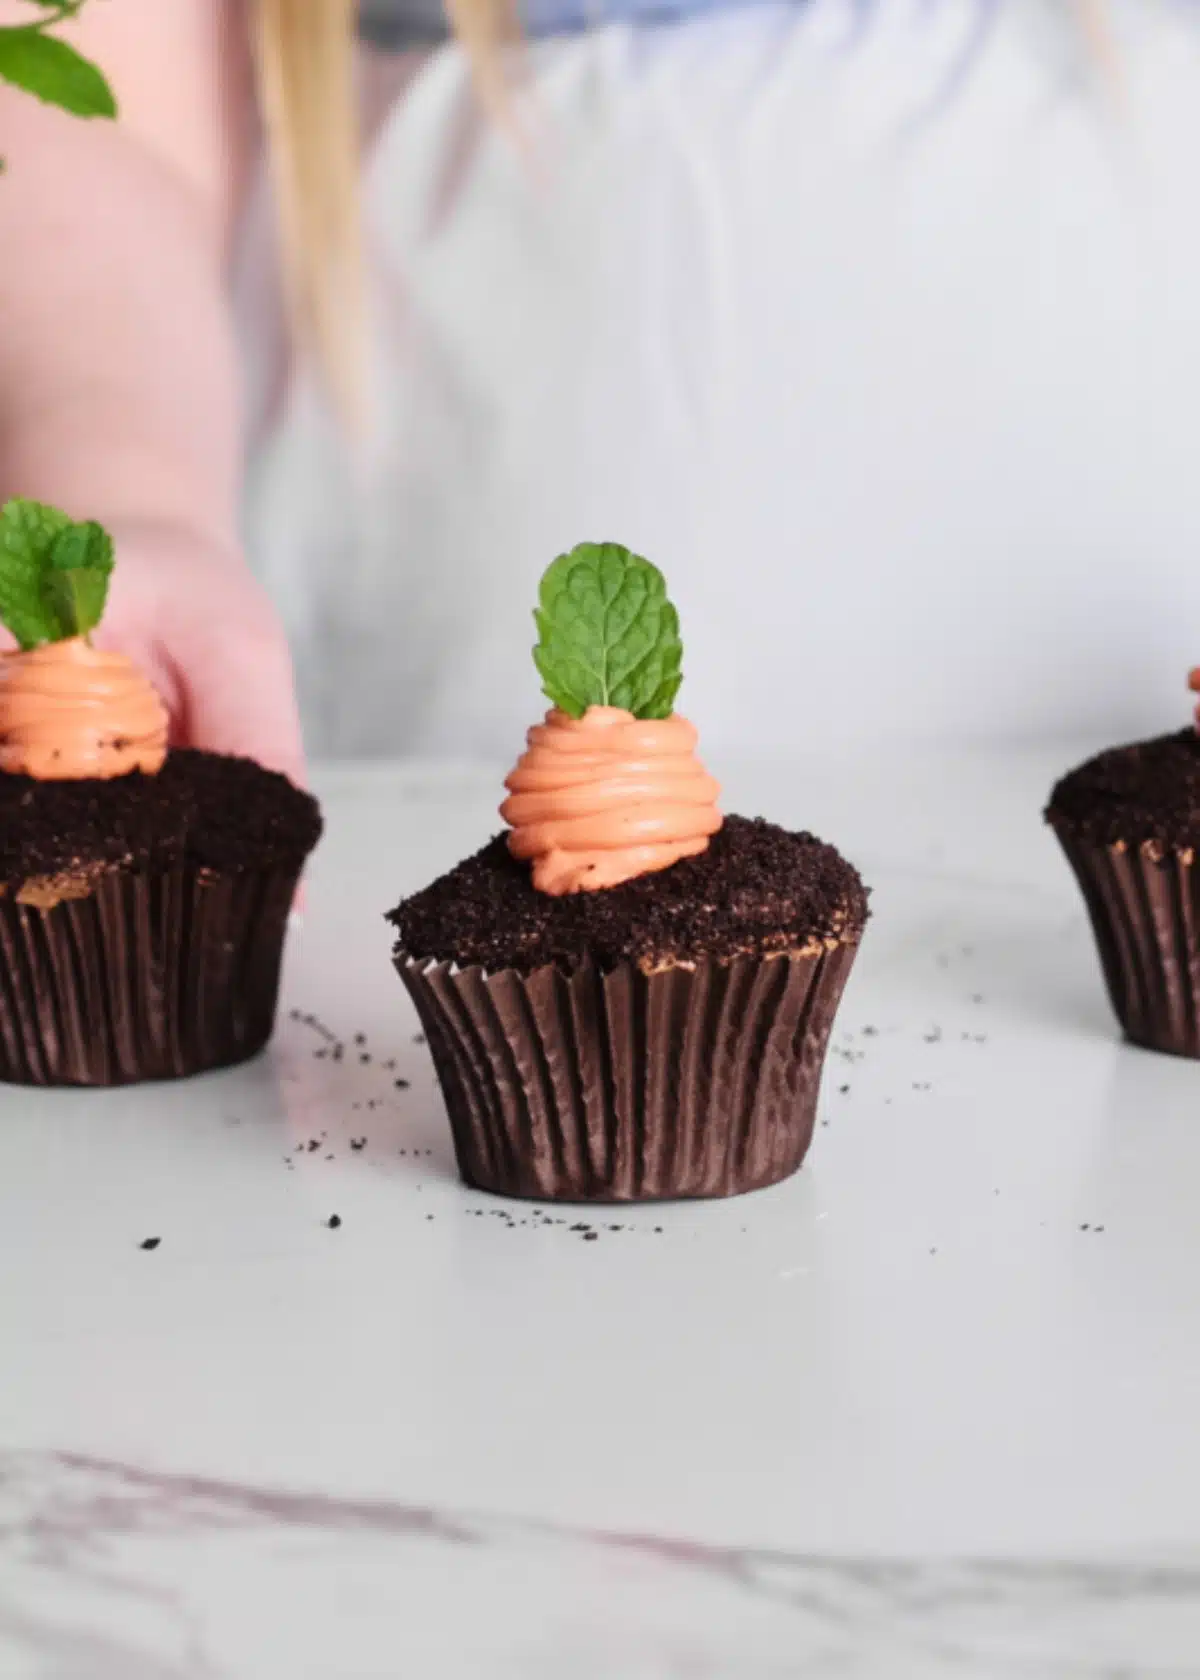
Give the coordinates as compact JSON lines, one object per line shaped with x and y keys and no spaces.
{"x":627,"y":996}
{"x":144,"y":891}
{"x":1129,"y":823}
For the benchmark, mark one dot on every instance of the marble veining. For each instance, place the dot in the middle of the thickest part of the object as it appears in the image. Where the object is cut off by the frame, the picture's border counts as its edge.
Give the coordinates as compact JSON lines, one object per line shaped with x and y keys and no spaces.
{"x":111,"y":1572}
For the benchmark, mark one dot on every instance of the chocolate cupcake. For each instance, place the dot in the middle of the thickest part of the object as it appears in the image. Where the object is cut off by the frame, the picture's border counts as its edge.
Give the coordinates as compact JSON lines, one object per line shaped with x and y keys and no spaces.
{"x":144,"y":893}
{"x":627,"y":997}
{"x":1129,"y":823}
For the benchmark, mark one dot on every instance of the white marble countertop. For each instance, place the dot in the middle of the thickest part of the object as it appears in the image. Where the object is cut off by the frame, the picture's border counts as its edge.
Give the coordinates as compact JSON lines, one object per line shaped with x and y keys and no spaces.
{"x":930,"y":1409}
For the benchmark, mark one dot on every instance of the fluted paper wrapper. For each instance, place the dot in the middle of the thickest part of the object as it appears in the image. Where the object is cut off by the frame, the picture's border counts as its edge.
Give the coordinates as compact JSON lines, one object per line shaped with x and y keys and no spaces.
{"x":1144,"y":904}
{"x":625,"y":1086}
{"x":149,"y":977}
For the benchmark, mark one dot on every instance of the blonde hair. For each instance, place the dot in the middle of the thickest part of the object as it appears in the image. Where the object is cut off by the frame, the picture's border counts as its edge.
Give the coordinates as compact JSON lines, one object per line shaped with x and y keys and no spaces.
{"x":304,"y":52}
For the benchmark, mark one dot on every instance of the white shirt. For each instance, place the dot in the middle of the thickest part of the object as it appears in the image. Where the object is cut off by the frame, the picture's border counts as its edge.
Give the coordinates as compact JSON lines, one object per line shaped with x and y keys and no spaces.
{"x":881,"y":339}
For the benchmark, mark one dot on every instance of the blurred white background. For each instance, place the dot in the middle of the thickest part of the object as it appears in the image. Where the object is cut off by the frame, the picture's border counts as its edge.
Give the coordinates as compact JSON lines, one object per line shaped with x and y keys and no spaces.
{"x":877,"y":327}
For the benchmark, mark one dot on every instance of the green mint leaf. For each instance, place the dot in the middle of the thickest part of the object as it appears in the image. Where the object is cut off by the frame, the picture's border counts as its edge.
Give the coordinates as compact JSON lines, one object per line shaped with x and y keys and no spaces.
{"x":53,"y":574}
{"x":76,"y":584}
{"x":76,"y":598}
{"x":43,"y":65}
{"x":83,"y":547}
{"x":28,"y":532}
{"x":608,"y":636}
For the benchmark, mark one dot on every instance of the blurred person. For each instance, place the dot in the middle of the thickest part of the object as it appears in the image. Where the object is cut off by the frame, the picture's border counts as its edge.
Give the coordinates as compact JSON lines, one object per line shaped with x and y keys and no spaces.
{"x":872,"y":323}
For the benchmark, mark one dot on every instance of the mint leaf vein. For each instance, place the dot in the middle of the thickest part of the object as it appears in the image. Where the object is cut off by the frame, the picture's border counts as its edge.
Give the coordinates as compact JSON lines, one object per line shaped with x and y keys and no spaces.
{"x":608,"y":635}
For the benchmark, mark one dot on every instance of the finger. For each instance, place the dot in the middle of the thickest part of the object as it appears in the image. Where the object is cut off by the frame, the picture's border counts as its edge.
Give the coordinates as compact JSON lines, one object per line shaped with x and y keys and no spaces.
{"x":238,"y":695}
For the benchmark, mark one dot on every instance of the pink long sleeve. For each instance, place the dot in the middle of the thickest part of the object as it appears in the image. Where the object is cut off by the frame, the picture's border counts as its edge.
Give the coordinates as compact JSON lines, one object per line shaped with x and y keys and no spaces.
{"x":118,"y":388}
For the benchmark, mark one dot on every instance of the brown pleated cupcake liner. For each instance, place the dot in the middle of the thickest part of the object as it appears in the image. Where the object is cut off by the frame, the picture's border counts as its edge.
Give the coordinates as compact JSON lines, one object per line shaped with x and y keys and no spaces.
{"x":151,"y":976}
{"x":1144,"y":904}
{"x":625,"y":1086}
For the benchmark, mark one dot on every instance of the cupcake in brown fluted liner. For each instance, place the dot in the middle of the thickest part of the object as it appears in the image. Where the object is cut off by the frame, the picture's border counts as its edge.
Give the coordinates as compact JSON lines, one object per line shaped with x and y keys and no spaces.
{"x":1129,"y":823}
{"x":627,"y":997}
{"x":144,"y":892}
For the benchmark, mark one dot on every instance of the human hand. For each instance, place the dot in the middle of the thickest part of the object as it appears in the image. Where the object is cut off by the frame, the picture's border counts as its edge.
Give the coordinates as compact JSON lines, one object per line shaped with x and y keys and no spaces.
{"x":189,"y":612}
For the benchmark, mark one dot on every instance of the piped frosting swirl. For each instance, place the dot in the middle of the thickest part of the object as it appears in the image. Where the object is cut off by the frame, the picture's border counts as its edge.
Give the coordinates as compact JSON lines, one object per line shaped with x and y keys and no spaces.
{"x":69,"y":712}
{"x":604,"y":798}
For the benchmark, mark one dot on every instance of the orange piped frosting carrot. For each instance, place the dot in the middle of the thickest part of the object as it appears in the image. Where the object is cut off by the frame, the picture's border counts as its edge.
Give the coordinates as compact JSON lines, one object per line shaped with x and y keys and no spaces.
{"x":69,"y":711}
{"x":609,"y":787}
{"x":598,"y":800}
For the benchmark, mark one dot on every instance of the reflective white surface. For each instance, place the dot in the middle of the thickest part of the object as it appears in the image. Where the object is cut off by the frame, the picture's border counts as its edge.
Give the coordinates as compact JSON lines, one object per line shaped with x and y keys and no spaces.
{"x":914,"y":1353}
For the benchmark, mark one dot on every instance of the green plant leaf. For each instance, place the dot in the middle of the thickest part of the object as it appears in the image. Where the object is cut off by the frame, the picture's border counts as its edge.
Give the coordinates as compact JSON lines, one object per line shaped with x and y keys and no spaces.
{"x":43,"y":65}
{"x":76,"y":598}
{"x":28,"y":532}
{"x":53,"y":574}
{"x":76,"y":583}
{"x":608,"y":636}
{"x":83,"y":547}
